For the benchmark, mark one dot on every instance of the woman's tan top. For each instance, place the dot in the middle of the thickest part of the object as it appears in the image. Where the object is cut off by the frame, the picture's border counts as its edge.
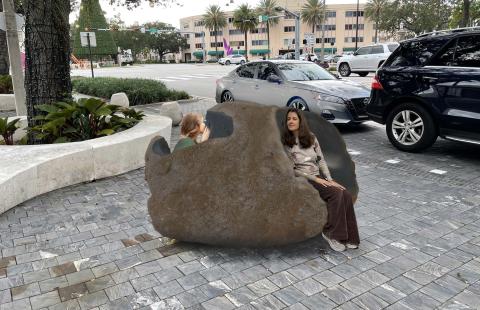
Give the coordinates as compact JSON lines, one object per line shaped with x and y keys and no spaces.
{"x":308,"y":162}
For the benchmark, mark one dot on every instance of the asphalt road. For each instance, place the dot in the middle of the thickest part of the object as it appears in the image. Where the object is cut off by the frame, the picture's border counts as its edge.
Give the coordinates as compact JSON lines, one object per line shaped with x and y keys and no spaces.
{"x":196,"y":79}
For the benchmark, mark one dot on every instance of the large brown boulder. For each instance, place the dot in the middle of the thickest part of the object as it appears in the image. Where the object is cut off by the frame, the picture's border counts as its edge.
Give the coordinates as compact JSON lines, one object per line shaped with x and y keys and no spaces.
{"x":238,"y":188}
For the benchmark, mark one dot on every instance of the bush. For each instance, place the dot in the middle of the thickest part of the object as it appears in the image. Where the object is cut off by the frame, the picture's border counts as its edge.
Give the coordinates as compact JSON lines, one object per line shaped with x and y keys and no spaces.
{"x":332,"y":69}
{"x":83,"y":120}
{"x":6,"y":86}
{"x":7,"y":129}
{"x":139,"y":91}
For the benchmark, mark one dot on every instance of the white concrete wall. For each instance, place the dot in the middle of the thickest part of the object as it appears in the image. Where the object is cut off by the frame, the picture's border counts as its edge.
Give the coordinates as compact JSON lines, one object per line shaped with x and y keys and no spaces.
{"x":7,"y":102}
{"x":29,"y":171}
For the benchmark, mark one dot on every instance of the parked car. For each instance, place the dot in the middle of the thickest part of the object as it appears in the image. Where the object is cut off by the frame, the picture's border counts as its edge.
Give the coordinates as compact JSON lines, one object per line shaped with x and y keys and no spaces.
{"x":429,"y":87}
{"x":295,"y":83}
{"x":366,"y":59}
{"x":313,"y":57}
{"x":232,"y":59}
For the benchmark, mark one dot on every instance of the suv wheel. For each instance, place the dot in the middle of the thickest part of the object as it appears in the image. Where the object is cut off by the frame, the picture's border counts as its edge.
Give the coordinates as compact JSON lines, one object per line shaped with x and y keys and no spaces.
{"x":344,"y":69}
{"x":411,"y":128}
{"x":227,"y":97}
{"x":362,"y":74}
{"x":227,"y":62}
{"x":298,"y":103}
{"x":242,"y":62}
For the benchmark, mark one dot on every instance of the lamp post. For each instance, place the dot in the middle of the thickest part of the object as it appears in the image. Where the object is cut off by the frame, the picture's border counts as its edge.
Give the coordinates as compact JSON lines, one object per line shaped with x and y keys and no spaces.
{"x":356,"y":27}
{"x":297,"y":29}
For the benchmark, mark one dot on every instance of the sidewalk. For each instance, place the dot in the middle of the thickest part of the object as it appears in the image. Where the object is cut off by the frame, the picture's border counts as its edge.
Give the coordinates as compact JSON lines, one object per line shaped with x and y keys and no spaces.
{"x":91,"y":246}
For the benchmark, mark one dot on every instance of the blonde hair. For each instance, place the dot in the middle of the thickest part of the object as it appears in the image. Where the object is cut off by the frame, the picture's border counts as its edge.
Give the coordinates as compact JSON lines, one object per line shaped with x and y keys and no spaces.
{"x":190,"y":126}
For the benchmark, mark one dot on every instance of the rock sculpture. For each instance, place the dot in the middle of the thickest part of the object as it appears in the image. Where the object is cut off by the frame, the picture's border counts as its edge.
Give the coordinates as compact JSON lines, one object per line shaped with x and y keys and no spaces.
{"x":238,"y":188}
{"x":171,"y":110}
{"x":120,"y":99}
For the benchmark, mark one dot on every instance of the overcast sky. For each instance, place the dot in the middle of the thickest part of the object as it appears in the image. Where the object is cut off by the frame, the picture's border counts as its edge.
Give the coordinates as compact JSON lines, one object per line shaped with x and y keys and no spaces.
{"x":172,"y":15}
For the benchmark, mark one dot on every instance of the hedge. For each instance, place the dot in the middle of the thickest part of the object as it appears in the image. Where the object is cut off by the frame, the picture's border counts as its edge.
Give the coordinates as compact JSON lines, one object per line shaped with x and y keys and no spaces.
{"x":139,"y":91}
{"x":6,"y":86}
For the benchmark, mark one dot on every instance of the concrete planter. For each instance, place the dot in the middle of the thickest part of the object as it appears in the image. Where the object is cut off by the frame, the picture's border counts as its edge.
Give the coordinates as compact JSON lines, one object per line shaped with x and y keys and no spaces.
{"x":29,"y":171}
{"x":7,"y":102}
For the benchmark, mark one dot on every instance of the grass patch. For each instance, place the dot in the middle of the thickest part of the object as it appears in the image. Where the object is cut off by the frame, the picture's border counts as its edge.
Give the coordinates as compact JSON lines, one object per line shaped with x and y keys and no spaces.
{"x":139,"y":91}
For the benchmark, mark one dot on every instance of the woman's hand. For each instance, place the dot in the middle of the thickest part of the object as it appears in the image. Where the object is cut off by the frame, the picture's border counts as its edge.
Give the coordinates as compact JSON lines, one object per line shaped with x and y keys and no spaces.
{"x":323,"y":182}
{"x":333,"y":183}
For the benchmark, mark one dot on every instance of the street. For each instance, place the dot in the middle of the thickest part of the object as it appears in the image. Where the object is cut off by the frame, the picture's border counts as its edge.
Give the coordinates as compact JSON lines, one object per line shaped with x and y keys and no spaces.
{"x":196,"y":79}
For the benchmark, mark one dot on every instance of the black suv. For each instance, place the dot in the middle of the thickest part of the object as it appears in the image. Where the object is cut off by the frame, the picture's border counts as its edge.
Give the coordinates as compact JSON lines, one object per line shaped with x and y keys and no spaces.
{"x":429,"y":87}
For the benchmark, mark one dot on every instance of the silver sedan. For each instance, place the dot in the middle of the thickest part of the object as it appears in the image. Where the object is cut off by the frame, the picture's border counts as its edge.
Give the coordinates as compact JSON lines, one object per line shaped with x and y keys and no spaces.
{"x":299,"y":84}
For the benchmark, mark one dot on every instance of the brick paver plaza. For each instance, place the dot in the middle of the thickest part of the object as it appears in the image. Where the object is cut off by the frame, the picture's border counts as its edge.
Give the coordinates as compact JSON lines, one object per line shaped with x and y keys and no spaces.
{"x":91,"y":246}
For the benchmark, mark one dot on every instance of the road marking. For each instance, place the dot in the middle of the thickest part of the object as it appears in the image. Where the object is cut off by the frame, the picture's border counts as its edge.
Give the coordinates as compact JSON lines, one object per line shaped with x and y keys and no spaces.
{"x":392,"y":161}
{"x":195,"y":77}
{"x":352,"y":152}
{"x":164,"y":80}
{"x":437,"y":171}
{"x":177,"y":78}
{"x":206,"y":75}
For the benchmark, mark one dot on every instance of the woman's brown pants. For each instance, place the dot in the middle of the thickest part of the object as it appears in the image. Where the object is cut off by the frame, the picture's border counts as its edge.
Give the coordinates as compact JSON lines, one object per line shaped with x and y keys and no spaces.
{"x":341,"y":224}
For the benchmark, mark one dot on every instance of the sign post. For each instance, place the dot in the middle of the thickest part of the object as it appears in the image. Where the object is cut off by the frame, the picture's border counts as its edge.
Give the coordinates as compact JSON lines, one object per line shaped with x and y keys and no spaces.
{"x":88,"y":39}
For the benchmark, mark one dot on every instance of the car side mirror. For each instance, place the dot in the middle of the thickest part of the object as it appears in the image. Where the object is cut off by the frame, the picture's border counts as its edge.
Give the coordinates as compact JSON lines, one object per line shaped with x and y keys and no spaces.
{"x":273,"y":78}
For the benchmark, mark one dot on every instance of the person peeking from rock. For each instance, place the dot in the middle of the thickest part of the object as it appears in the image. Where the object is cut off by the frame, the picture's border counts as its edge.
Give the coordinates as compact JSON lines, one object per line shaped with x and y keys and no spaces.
{"x":193,"y":130}
{"x":303,"y":149}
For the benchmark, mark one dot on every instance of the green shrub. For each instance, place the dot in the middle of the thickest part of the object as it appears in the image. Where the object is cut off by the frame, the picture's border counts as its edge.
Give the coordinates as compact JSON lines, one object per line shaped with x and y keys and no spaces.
{"x":7,"y":129}
{"x":6,"y":86}
{"x":82,"y":120}
{"x":332,"y":69}
{"x":139,"y":91}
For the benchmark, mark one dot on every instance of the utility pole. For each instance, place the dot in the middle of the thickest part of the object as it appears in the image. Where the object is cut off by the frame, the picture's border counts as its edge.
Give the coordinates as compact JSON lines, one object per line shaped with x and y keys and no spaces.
{"x":322,"y":54}
{"x":356,"y":28}
{"x":14,"y":57}
{"x":90,"y":53}
{"x":297,"y":29}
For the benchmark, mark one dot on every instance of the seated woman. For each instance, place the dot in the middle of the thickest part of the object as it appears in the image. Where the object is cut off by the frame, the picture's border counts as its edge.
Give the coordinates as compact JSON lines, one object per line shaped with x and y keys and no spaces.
{"x":303,"y":149}
{"x":193,"y":130}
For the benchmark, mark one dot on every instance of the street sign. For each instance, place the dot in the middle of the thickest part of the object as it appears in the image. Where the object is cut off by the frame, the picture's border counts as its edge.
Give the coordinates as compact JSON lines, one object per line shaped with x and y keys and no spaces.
{"x":310,"y":38}
{"x":20,"y":21}
{"x":84,"y":39}
{"x":153,"y":30}
{"x":262,"y":18}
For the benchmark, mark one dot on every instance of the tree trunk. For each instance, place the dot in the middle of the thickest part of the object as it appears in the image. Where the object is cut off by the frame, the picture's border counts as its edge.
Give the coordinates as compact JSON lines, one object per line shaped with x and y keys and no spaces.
{"x":4,"y":64}
{"x":466,"y":14}
{"x":216,"y":44}
{"x":246,"y":46}
{"x":47,"y":49}
{"x":376,"y":25}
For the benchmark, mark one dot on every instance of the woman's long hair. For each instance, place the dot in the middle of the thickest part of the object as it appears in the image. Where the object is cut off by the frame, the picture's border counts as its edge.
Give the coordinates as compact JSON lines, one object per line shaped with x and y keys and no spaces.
{"x":190,"y":125}
{"x":305,"y":137}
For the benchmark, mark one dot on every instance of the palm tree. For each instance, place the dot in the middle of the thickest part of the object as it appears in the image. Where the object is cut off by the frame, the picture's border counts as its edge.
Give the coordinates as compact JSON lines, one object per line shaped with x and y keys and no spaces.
{"x":373,"y":9}
{"x":267,"y":8}
{"x":313,"y":14}
{"x":215,"y":19}
{"x":245,"y":19}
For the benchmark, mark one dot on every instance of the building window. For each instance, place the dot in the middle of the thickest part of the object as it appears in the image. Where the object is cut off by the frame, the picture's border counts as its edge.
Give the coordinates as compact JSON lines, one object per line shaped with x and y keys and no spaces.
{"x":199,"y":23}
{"x":286,"y":42}
{"x":219,"y":33}
{"x":186,"y":36}
{"x":327,"y":27}
{"x":185,"y":26}
{"x":259,"y":42}
{"x":237,"y":43}
{"x":234,"y":31}
{"x":230,"y":20}
{"x":353,"y":26}
{"x":219,"y":44}
{"x":353,"y":13}
{"x":289,"y":29}
{"x":327,"y":40}
{"x":198,"y":45}
{"x":187,"y":46}
{"x":352,"y":39}
{"x":331,"y":14}
{"x":259,"y":30}
{"x":199,"y":34}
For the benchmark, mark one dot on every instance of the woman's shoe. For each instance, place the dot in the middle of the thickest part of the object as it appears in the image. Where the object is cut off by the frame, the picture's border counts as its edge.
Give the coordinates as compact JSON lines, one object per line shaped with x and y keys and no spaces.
{"x":334,"y":244}
{"x":351,"y":246}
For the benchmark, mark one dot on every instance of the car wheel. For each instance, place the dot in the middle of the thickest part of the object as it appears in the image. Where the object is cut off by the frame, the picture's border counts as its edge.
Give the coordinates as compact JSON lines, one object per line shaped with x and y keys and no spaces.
{"x":298,"y":103}
{"x":227,"y":62}
{"x":344,"y":69}
{"x":362,"y":74}
{"x":227,"y":97}
{"x":411,"y":128}
{"x":242,"y":62}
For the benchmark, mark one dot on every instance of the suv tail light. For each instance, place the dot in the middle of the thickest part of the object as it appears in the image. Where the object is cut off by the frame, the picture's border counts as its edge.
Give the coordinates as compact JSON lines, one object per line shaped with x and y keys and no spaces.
{"x":376,"y":85}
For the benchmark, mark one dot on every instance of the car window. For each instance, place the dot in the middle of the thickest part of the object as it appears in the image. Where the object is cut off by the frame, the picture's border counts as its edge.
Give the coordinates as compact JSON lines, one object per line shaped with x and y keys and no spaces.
{"x":446,"y":57}
{"x":416,"y":53}
{"x":393,"y":47}
{"x":377,"y":49}
{"x":304,"y":72}
{"x":246,"y":71}
{"x":467,"y":53}
{"x":364,"y":50}
{"x":265,"y":70}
